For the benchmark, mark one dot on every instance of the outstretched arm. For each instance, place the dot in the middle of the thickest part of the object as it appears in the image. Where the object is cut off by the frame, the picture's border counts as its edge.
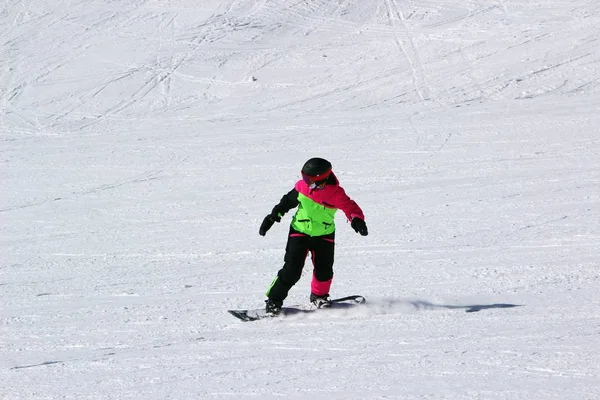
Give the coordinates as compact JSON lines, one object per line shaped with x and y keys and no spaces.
{"x":287,"y":202}
{"x":353,"y":212}
{"x":347,"y":205}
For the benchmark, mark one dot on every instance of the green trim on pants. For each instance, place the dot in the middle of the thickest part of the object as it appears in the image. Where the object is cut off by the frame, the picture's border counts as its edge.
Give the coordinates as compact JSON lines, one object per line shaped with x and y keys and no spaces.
{"x":271,"y":286}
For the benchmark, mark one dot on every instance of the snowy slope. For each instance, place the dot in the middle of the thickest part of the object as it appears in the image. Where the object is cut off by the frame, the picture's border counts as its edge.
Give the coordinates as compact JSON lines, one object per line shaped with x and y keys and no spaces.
{"x":144,"y":141}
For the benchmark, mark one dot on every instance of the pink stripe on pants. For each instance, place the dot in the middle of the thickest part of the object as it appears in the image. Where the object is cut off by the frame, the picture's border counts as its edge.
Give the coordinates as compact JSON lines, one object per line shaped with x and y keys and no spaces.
{"x":320,"y":288}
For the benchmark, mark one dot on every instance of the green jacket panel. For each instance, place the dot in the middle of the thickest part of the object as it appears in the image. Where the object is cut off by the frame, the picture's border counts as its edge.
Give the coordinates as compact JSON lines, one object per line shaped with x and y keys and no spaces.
{"x":312,"y":218}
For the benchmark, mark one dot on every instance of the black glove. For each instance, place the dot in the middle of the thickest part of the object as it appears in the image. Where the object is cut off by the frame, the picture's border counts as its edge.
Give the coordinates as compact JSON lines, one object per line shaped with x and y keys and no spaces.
{"x":268,"y":223}
{"x":359,"y":226}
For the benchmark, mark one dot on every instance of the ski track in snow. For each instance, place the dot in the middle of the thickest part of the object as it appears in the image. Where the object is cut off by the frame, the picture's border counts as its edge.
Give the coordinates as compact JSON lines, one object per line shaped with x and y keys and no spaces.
{"x":143,"y":142}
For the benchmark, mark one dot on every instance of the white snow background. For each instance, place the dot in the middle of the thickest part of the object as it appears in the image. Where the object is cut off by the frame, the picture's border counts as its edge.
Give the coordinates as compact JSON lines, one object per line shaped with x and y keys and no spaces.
{"x":144,"y":141}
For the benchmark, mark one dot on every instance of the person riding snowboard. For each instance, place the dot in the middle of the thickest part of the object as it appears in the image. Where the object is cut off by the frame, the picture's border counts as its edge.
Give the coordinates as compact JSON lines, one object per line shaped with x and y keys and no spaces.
{"x":318,"y":196}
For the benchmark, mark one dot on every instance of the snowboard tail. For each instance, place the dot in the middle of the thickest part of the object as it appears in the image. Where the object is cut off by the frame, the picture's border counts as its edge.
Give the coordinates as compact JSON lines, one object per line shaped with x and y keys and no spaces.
{"x":260,"y":313}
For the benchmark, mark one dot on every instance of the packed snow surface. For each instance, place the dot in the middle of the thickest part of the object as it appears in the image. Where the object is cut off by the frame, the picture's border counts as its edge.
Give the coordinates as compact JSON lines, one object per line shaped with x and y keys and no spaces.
{"x":144,"y":141}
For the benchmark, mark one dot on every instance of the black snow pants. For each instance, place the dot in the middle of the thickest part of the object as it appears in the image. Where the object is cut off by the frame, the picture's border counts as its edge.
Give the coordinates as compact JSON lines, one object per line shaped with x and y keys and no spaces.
{"x":297,"y":248}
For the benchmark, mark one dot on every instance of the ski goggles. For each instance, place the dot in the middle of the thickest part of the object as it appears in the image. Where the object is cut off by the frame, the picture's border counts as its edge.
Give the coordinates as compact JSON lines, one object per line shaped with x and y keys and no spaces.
{"x":318,"y":181}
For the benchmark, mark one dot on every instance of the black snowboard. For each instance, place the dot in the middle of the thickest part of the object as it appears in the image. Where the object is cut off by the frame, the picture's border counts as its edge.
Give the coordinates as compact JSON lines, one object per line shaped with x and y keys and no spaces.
{"x":259,"y":313}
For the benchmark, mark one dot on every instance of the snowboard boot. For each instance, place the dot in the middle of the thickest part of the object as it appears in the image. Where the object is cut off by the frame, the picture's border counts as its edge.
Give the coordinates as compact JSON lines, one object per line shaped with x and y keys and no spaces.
{"x":320,"y":301}
{"x":273,"y":307}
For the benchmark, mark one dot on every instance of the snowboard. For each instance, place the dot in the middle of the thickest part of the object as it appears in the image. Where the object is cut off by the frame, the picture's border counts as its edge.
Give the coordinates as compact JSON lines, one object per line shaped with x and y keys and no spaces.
{"x":259,"y":313}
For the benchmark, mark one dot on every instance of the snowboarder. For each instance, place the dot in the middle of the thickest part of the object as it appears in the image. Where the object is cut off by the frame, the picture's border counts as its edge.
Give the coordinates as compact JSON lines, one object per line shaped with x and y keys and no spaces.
{"x":318,"y":196}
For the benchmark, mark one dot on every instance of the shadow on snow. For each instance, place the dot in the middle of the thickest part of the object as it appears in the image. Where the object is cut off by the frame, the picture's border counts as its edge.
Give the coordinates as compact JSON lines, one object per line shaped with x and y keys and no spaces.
{"x":426,"y":305}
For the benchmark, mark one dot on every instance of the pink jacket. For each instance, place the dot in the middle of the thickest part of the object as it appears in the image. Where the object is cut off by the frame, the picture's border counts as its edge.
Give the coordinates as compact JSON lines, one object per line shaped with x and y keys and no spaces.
{"x":331,"y":196}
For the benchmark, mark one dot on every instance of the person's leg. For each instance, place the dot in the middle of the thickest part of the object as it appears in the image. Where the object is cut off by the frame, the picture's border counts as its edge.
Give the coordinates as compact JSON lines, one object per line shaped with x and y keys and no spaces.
{"x":295,"y":256}
{"x":322,"y":258}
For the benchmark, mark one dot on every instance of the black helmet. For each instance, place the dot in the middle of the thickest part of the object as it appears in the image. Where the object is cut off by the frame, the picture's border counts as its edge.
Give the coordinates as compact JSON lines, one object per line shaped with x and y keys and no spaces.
{"x":316,"y":170}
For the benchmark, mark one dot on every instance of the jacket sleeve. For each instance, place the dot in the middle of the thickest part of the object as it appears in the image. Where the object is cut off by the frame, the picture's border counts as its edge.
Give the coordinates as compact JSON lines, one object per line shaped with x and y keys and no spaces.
{"x":347,"y":205}
{"x":287,"y":202}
